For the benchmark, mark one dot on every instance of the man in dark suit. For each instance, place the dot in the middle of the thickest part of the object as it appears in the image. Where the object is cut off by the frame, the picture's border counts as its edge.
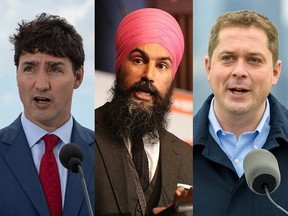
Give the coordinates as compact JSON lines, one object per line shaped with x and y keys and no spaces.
{"x":139,"y":164}
{"x":49,"y":57}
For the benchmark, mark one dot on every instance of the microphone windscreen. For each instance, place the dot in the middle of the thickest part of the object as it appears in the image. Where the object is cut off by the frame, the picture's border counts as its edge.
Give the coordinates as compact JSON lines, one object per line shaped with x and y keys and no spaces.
{"x":261,"y":169}
{"x":71,"y":156}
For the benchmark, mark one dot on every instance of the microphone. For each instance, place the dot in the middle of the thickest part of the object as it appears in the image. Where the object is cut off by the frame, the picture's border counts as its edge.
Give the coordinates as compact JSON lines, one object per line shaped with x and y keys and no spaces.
{"x":261,"y":169}
{"x":71,"y":158}
{"x":262,"y":173}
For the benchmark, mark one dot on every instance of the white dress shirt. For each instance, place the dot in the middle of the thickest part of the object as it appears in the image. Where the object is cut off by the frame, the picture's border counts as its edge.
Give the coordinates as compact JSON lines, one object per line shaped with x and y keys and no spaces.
{"x":34,"y":135}
{"x":152,"y":151}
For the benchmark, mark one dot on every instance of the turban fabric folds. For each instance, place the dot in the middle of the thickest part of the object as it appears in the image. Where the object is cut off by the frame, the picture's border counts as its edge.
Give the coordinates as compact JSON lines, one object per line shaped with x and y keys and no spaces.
{"x":149,"y":26}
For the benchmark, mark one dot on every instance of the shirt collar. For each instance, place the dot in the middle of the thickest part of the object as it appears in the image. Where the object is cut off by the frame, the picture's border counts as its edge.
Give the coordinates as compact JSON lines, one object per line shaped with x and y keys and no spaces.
{"x":34,"y":133}
{"x":216,"y":126}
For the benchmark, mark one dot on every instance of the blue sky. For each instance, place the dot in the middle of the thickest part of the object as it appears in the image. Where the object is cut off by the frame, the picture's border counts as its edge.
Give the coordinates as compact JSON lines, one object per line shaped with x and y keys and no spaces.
{"x":80,"y":13}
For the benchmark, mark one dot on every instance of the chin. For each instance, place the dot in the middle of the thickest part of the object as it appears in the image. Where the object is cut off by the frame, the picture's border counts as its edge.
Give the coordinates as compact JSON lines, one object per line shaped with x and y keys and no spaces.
{"x":141,"y":103}
{"x":238,"y":110}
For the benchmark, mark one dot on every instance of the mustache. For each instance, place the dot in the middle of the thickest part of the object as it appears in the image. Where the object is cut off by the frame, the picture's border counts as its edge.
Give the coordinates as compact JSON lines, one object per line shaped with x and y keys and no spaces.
{"x":145,"y":86}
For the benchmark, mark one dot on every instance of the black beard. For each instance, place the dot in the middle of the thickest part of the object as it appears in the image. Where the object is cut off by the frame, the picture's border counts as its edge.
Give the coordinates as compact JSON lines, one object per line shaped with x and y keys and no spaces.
{"x":125,"y":117}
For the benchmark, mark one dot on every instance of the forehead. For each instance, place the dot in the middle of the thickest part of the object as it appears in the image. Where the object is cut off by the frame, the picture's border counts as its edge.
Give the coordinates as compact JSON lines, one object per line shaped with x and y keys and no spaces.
{"x":42,"y":57}
{"x":153,"y":50}
{"x":242,"y":37}
{"x":237,"y":32}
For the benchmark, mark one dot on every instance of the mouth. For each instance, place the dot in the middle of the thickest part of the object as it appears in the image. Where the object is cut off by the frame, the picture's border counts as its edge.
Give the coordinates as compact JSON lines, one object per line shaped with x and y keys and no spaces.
{"x":41,"y":100}
{"x":238,"y":91}
{"x":144,"y":93}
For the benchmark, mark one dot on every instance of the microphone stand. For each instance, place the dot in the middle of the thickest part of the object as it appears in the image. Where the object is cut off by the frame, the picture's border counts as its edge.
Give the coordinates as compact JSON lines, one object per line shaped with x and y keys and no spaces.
{"x":85,"y":190}
{"x":273,"y":202}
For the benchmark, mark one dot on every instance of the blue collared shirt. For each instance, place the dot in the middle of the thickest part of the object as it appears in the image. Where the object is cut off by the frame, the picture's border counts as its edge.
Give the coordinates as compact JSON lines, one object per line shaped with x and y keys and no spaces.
{"x":236,"y":150}
{"x":34,"y":135}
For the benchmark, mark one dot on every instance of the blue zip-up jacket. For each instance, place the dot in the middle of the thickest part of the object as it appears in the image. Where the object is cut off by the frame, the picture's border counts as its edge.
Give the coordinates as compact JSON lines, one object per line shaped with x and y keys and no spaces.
{"x":218,"y":191}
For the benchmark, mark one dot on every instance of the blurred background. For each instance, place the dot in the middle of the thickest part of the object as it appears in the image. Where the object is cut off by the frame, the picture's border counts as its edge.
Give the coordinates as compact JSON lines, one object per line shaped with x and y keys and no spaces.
{"x":79,"y":13}
{"x":205,"y":13}
{"x":108,"y":14}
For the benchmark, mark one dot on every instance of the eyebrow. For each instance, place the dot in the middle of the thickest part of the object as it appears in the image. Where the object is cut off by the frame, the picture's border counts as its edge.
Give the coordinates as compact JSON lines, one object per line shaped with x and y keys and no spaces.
{"x":53,"y":63}
{"x":233,"y":52}
{"x":143,"y":53}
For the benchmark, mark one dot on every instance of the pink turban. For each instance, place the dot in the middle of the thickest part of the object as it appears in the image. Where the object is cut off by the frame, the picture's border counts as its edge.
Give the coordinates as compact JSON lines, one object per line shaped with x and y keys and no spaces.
{"x":149,"y":26}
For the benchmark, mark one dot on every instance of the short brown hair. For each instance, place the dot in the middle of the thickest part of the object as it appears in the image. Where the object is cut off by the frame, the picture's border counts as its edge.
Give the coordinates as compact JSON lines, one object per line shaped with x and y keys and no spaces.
{"x":244,"y":18}
{"x":49,"y":34}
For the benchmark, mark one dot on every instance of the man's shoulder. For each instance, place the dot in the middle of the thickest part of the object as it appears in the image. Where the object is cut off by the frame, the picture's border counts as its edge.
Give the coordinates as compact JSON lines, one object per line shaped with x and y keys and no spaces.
{"x":204,"y":109}
{"x":276,"y":104}
{"x":175,"y":139}
{"x":10,"y":132}
{"x":99,"y":112}
{"x":86,"y":132}
{"x":278,"y":112}
{"x":15,"y":125}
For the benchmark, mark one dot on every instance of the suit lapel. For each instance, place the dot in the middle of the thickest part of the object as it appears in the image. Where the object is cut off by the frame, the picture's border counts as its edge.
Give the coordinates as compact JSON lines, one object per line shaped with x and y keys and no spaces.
{"x":170,"y":165}
{"x":115,"y":164}
{"x":74,"y":196}
{"x":113,"y":152}
{"x":18,"y":156}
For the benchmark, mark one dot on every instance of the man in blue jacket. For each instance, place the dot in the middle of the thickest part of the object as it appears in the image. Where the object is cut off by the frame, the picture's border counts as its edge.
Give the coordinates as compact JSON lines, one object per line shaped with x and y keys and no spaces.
{"x":241,"y":115}
{"x":49,"y":59}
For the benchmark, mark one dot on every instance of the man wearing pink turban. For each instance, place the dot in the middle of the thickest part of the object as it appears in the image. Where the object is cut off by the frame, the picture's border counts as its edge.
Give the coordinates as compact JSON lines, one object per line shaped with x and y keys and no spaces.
{"x":138,"y":162}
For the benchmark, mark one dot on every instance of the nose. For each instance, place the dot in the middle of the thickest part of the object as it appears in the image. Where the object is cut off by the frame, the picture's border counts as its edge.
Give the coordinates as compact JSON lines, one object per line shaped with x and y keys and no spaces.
{"x":149,"y":72}
{"x":240,"y":70}
{"x":42,"y":82}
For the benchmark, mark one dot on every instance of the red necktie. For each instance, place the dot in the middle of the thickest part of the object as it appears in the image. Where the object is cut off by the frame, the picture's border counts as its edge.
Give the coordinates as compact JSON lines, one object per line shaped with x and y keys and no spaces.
{"x":49,"y":176}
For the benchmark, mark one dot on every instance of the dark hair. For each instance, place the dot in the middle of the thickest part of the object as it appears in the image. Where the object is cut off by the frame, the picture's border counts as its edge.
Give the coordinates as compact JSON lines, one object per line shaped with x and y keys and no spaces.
{"x":49,"y":34}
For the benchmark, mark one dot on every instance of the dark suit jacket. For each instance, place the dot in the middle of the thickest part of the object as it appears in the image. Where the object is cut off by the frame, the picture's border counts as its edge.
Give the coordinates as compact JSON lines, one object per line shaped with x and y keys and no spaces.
{"x":218,"y":190}
{"x":20,"y":189}
{"x":115,"y":188}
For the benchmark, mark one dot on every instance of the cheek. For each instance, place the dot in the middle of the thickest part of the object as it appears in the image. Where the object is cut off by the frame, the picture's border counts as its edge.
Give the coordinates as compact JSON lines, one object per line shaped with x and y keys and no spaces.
{"x":212,"y":75}
{"x":24,"y":85}
{"x":24,"y":91}
{"x":163,"y":85}
{"x":219,"y":74}
{"x":68,"y":87}
{"x":262,"y":78}
{"x":164,"y":91}
{"x":128,"y":79}
{"x":212,"y":78}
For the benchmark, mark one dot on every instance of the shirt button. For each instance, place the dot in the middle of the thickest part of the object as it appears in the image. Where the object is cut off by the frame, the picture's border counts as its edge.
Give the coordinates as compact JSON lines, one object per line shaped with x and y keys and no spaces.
{"x":236,"y":161}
